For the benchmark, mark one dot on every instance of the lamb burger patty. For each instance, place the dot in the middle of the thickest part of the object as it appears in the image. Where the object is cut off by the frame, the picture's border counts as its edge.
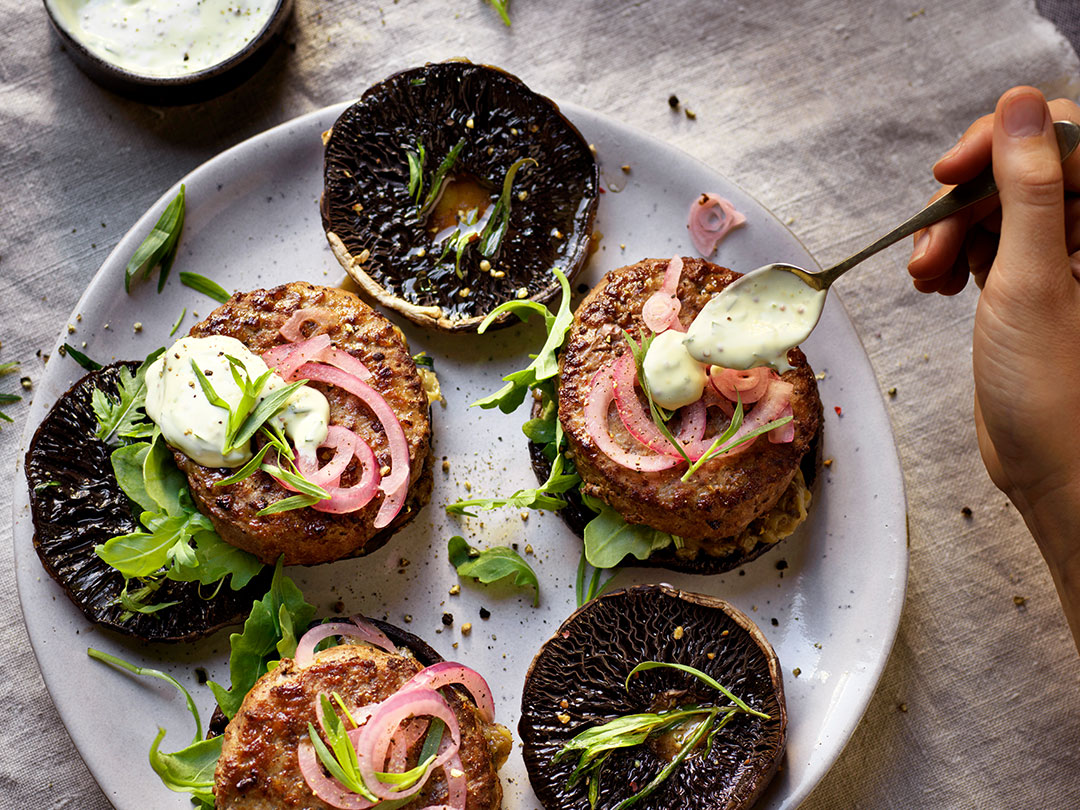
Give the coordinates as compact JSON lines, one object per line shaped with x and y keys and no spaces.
{"x":306,"y":536}
{"x":724,"y":495}
{"x":259,"y":770}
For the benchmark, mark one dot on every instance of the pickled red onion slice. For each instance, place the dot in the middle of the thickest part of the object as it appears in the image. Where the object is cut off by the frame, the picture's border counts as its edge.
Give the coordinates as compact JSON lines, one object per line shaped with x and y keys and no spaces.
{"x":340,"y":439}
{"x":401,"y":742}
{"x":358,"y":629}
{"x":360,"y":494}
{"x":661,"y":310}
{"x":456,"y":786}
{"x":394,"y":486}
{"x":711,"y":218}
{"x":640,"y":424}
{"x":338,"y":358}
{"x":373,"y":742}
{"x":323,"y":319}
{"x":445,"y":673}
{"x":748,"y":384}
{"x":784,"y":433}
{"x":771,"y":406}
{"x":288,"y":357}
{"x":598,"y":403}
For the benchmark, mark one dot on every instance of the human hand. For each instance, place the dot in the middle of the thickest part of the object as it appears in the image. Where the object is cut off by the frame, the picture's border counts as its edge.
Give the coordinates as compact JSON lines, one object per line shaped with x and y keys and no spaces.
{"x":1026,"y":343}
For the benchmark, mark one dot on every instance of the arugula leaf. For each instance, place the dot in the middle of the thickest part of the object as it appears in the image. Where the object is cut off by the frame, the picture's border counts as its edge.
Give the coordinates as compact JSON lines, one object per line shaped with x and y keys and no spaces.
{"x":138,"y":554}
{"x":495,"y":229}
{"x":135,"y":601}
{"x":491,"y":564}
{"x":206,"y":286}
{"x":543,"y":497}
{"x":127,"y":464}
{"x":153,"y":673}
{"x":439,"y":178}
{"x":121,"y":415}
{"x":162,"y":479}
{"x":546,"y":364}
{"x":189,"y":770}
{"x":214,"y":560}
{"x":79,"y":357}
{"x":159,"y":247}
{"x":609,"y":538}
{"x":502,"y":6}
{"x":268,"y":634}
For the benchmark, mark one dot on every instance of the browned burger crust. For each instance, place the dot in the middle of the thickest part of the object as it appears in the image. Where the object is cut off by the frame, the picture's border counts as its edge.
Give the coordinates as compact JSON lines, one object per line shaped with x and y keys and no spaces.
{"x":724,"y":495}
{"x":306,"y":536}
{"x":258,"y":768}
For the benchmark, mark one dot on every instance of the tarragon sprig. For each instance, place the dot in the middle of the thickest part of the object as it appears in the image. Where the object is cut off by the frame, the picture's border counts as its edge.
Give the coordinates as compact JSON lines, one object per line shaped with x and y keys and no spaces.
{"x":724,"y":442}
{"x":595,"y":744}
{"x":160,"y":245}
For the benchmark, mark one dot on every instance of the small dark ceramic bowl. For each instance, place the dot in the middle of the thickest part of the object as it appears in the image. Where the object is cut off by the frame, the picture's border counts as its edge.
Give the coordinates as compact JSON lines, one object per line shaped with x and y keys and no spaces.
{"x":194,"y":87}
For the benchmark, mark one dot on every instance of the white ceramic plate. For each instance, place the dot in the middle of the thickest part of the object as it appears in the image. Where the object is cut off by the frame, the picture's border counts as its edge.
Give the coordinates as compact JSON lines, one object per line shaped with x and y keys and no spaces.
{"x":252,"y":221}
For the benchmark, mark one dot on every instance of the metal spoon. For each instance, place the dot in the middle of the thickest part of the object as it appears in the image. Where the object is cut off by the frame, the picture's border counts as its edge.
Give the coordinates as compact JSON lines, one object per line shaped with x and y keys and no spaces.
{"x":964,"y":195}
{"x":757,"y":318}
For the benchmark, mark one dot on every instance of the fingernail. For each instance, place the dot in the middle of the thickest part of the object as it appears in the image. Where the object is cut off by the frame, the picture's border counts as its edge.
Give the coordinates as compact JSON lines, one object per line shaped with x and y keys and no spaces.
{"x":950,"y":153}
{"x":1024,"y":116}
{"x":921,"y":244}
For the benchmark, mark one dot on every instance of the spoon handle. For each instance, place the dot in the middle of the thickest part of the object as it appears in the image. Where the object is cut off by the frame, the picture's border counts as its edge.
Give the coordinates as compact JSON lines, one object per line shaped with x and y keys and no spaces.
{"x":963,"y":195}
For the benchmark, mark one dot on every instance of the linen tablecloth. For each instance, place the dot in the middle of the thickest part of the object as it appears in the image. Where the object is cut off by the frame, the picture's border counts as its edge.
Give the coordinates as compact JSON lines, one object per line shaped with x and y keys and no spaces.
{"x":829,"y":111}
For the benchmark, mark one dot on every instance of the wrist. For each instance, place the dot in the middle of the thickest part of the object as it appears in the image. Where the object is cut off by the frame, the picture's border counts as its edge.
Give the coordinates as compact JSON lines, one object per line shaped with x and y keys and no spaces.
{"x":1054,"y":522}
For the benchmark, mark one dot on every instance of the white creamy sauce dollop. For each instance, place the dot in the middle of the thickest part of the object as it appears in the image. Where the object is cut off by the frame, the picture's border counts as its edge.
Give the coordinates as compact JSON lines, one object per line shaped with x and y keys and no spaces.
{"x":755,"y":321}
{"x":163,"y":38}
{"x":675,"y":378}
{"x":189,"y":422}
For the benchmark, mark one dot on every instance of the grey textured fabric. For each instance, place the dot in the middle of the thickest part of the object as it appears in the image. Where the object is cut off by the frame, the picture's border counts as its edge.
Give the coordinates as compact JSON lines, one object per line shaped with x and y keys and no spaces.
{"x":829,"y":111}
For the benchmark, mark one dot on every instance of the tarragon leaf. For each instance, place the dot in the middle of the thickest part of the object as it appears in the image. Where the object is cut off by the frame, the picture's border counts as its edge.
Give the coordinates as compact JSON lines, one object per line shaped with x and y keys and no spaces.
{"x":491,"y":564}
{"x":492,"y":235}
{"x":502,"y":6}
{"x":267,"y":407}
{"x":159,"y":247}
{"x":206,"y":286}
{"x":80,"y":358}
{"x":439,"y":177}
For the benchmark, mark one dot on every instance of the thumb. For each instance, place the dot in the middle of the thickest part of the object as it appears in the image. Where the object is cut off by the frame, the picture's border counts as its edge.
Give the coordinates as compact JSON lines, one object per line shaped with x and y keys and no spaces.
{"x":1027,"y":169}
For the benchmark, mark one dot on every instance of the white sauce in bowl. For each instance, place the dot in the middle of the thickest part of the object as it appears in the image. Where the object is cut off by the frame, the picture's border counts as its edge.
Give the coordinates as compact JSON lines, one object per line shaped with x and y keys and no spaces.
{"x":163,"y":38}
{"x":189,"y":422}
{"x":755,"y":321}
